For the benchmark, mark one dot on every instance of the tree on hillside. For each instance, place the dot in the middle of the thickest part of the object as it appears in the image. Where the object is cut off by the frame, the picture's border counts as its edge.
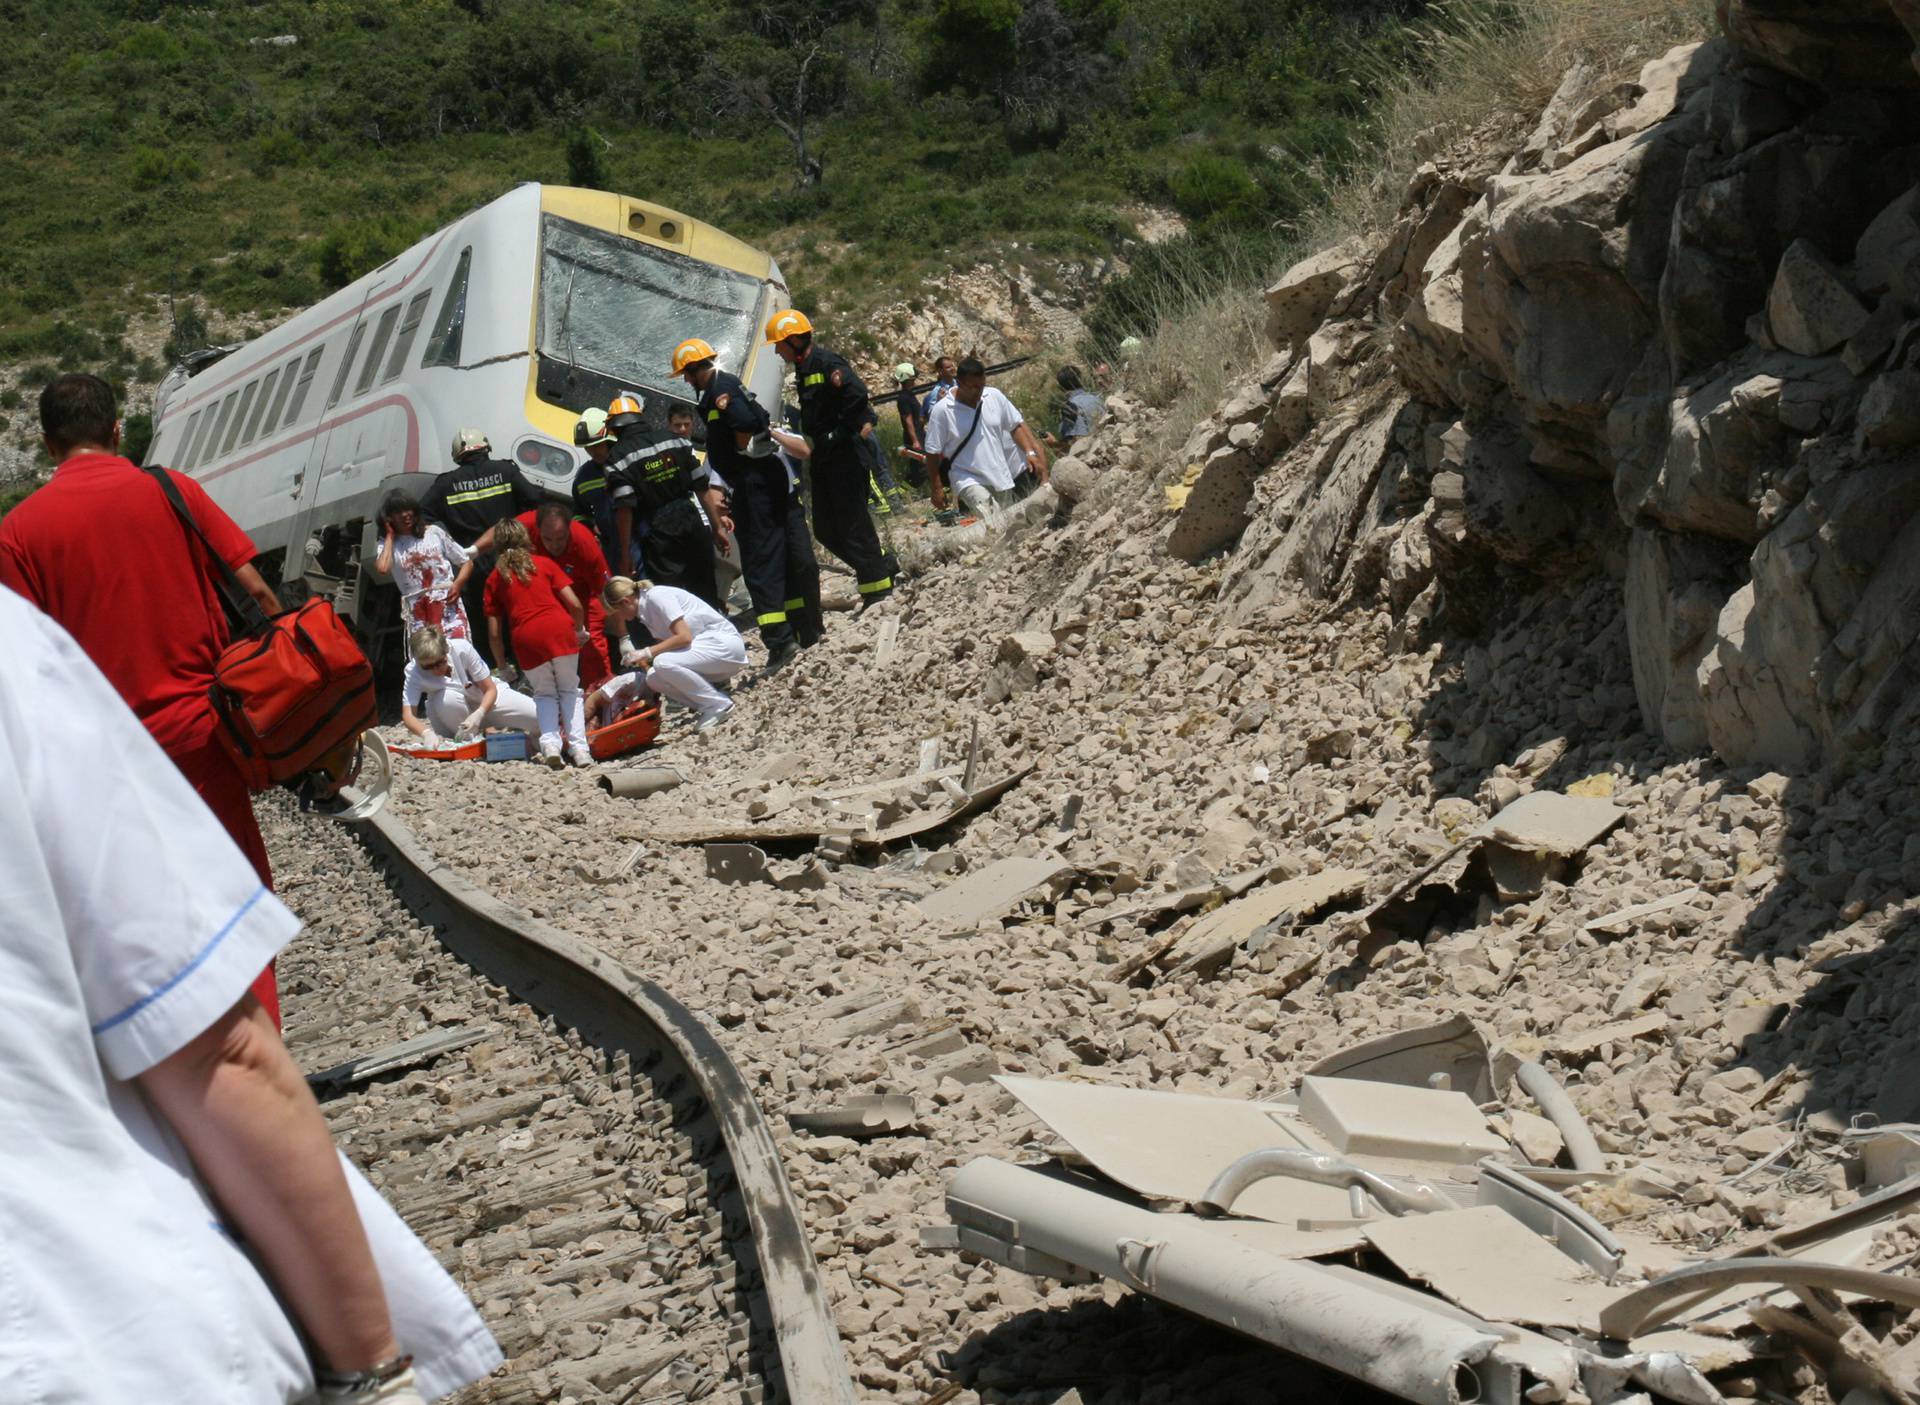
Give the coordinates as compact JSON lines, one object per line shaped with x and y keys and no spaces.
{"x":787,"y":64}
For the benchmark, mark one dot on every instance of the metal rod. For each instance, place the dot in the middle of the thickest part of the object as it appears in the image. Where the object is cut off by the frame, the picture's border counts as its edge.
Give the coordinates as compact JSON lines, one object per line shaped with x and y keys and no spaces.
{"x":1552,"y":1099}
{"x":1320,"y":1168}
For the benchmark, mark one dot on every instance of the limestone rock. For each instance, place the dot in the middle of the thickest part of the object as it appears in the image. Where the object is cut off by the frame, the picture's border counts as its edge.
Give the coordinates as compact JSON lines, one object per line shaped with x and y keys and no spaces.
{"x":1074,"y":479}
{"x":1215,"y":512}
{"x":1676,"y":586}
{"x":1810,"y":309}
{"x":1889,"y":415}
{"x":1835,"y":44}
{"x":1300,"y":301}
{"x":1889,"y":249}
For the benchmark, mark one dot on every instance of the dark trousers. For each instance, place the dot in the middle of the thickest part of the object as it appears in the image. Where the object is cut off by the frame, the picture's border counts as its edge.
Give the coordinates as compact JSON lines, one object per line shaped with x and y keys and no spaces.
{"x":841,"y":522}
{"x":760,"y":505}
{"x":803,"y":576}
{"x":679,"y":551}
{"x":880,"y":478}
{"x":474,"y":597}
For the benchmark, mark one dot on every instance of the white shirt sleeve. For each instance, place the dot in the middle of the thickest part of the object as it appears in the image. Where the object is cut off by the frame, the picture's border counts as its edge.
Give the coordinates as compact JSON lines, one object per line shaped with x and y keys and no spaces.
{"x":468,"y":666}
{"x":1012,"y":416}
{"x":937,"y":426}
{"x":455,"y":553}
{"x":167,"y":922}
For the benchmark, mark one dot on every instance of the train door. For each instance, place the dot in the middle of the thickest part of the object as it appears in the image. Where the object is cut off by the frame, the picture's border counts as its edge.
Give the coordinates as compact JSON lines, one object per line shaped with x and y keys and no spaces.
{"x":310,"y":483}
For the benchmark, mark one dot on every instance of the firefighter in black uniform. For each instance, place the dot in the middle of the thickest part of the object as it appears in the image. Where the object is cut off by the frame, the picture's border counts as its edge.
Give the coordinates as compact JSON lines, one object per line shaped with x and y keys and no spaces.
{"x":837,"y":416}
{"x":739,"y":449}
{"x":803,"y":567}
{"x":601,"y":503}
{"x":469,"y":499}
{"x":660,"y":477}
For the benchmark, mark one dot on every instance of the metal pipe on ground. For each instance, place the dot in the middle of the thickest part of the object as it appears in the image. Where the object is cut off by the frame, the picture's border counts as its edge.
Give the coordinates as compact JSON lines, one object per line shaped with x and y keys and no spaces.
{"x":638,"y":781}
{"x":1553,"y":1101}
{"x":1319,"y":1168}
{"x":1425,"y":1355}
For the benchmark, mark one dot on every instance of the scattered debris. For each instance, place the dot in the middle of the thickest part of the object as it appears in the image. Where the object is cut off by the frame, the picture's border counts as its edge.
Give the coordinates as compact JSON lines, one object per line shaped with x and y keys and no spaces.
{"x":874,"y":1115}
{"x":1628,"y":916}
{"x":992,"y":892}
{"x":1451,"y":1054}
{"x":1513,"y":856}
{"x":408,"y":1054}
{"x":627,"y":865}
{"x":748,"y":863}
{"x":638,"y":781}
{"x":1210,"y":941}
{"x":1495,"y":1267}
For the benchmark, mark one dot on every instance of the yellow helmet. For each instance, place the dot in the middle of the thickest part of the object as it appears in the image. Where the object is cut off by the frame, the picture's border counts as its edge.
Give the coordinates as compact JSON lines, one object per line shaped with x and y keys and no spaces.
{"x":690,"y":352}
{"x":592,"y":427}
{"x":626,"y":409}
{"x":791,"y":323}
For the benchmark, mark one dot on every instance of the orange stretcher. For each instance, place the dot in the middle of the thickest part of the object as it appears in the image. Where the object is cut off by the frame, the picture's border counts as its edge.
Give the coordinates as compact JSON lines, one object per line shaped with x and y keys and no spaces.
{"x":638,"y":726}
{"x":472,"y":751}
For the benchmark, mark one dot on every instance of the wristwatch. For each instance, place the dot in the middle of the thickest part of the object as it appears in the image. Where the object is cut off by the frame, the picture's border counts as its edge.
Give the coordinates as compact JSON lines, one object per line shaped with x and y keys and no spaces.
{"x":354,"y":1385}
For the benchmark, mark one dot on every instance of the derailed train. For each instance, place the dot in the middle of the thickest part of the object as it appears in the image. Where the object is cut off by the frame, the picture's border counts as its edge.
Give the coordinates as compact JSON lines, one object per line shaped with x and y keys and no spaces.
{"x":512,"y":319}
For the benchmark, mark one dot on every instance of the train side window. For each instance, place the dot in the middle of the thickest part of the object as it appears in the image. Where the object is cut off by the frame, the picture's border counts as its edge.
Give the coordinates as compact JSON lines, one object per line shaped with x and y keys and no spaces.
{"x":198,"y":447}
{"x":186,"y":439}
{"x":220,"y":425}
{"x":260,"y":407}
{"x":280,"y":396}
{"x":306,"y":380}
{"x":239,"y":418}
{"x":443,"y":347}
{"x":403,"y":343}
{"x":381,"y":333}
{"x":346,"y":364}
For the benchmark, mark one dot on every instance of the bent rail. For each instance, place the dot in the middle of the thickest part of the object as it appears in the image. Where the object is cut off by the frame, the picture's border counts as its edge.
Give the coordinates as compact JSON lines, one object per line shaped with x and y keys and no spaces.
{"x":571,"y":980}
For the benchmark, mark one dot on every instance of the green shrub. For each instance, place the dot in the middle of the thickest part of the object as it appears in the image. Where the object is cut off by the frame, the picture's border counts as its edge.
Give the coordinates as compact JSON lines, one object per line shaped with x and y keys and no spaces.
{"x":350,"y":250}
{"x":136,"y":436}
{"x":153,"y":168}
{"x":274,"y":150}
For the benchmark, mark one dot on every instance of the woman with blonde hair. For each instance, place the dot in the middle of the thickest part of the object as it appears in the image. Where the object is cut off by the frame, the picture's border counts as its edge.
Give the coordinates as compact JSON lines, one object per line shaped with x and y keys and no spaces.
{"x":695,"y":646}
{"x":532,"y":594}
{"x":449,"y":690}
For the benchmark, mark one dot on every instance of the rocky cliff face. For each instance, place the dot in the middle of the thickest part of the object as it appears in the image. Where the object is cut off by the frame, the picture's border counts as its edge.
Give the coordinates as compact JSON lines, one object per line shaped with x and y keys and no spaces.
{"x":1673,"y":336}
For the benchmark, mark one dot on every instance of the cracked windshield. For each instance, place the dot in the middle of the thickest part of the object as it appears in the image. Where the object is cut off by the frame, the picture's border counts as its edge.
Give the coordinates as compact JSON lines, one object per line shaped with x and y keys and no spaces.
{"x":620,"y":307}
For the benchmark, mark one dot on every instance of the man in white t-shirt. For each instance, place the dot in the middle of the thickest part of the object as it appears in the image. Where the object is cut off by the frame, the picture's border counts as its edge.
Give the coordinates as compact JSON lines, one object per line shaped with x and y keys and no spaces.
{"x":978,"y":441}
{"x":695,"y":646}
{"x":174,"y":1219}
{"x":449,"y":688}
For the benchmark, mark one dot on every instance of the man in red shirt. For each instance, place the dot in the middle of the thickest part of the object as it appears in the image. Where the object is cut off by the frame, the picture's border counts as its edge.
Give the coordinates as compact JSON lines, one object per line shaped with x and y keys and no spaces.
{"x":575,"y":547}
{"x":100,"y":550}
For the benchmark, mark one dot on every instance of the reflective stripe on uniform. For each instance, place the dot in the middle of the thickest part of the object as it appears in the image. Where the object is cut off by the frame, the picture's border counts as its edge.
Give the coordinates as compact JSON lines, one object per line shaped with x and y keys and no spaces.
{"x":478,"y":494}
{"x":796,"y":604}
{"x":773,"y":617}
{"x":592,"y":485}
{"x":817,"y":378}
{"x":875,"y":587}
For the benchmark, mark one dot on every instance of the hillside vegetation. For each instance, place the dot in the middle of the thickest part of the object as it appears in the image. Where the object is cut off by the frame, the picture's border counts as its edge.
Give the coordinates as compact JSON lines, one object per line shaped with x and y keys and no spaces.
{"x":255,"y":155}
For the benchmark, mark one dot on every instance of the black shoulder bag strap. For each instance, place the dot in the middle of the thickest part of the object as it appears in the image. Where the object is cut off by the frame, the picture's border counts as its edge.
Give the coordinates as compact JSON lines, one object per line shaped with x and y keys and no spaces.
{"x":948,"y":459}
{"x":244,"y":615}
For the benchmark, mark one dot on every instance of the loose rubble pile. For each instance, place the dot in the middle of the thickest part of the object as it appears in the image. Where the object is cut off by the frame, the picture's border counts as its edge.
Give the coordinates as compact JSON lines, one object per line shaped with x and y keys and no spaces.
{"x":1715,"y":977}
{"x":1586,"y":480}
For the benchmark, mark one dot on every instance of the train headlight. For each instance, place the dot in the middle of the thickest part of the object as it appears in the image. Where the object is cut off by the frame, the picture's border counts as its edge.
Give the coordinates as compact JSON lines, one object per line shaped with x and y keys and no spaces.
{"x":544,"y":457}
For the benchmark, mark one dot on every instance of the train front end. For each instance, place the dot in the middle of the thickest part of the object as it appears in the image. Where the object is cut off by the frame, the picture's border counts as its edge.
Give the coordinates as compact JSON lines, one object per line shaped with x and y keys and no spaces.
{"x":620,"y":283}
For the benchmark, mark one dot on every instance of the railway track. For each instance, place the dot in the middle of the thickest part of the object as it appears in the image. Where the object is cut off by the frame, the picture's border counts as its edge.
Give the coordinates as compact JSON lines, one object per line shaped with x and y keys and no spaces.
{"x":575,"y":1145}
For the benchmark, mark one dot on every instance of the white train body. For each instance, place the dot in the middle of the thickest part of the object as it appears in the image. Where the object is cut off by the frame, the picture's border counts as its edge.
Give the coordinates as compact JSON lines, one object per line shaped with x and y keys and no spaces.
{"x":511,"y":320}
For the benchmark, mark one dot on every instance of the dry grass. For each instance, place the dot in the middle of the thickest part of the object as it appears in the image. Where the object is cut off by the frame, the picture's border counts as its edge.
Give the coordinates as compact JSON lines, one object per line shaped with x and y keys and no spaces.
{"x":1477,"y":63}
{"x":1473,"y":64}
